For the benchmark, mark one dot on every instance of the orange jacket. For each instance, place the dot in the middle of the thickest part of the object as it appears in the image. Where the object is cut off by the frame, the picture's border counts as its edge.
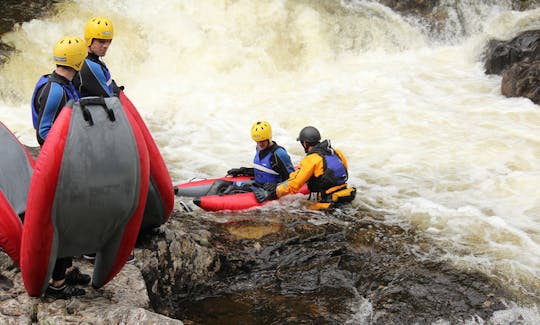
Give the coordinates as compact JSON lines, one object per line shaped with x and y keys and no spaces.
{"x":310,"y":166}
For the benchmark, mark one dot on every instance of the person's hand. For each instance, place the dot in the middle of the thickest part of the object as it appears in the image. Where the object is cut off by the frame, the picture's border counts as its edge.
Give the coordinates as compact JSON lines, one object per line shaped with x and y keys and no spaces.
{"x":262,"y":195}
{"x":238,"y":171}
{"x":234,"y":172}
{"x":270,"y":187}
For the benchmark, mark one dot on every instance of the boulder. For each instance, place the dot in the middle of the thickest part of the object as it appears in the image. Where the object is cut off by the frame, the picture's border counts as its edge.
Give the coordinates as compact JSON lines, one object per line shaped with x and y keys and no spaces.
{"x":522,"y":80}
{"x":501,"y":55}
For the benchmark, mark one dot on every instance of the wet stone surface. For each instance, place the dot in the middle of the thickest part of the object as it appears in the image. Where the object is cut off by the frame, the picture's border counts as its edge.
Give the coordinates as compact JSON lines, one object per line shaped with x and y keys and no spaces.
{"x":294,"y":270}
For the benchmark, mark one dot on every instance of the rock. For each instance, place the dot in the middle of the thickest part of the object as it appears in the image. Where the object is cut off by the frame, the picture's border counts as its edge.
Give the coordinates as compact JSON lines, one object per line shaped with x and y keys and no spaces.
{"x":522,"y":80}
{"x":268,"y":267}
{"x":122,"y":301}
{"x":518,"y":60}
{"x":500,"y":55}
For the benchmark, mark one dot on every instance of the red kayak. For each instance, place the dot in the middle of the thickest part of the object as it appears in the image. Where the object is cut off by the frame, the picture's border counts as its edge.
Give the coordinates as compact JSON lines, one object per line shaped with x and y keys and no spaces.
{"x":216,"y":194}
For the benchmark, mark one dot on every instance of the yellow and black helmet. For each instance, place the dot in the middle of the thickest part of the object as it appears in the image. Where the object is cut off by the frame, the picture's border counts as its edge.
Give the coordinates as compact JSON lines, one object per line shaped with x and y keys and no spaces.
{"x":70,"y":51}
{"x":261,"y":131}
{"x":98,"y":27}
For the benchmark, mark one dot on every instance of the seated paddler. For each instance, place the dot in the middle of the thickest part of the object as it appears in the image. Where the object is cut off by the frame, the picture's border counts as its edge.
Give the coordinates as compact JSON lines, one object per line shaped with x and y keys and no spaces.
{"x":271,"y":163}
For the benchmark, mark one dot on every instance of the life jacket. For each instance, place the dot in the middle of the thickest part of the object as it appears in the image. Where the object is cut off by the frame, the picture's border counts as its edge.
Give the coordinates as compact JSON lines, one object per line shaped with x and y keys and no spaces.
{"x":331,"y":186}
{"x":69,"y":89}
{"x":334,"y":174}
{"x":335,"y":199}
{"x":263,"y":169}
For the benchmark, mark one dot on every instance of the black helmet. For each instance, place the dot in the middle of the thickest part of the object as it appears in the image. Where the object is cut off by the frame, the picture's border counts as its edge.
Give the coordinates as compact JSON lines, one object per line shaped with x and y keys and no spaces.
{"x":309,"y":134}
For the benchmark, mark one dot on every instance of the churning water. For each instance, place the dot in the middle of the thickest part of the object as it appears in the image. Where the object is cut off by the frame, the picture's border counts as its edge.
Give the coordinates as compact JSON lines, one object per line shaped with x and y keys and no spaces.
{"x":430,"y":140}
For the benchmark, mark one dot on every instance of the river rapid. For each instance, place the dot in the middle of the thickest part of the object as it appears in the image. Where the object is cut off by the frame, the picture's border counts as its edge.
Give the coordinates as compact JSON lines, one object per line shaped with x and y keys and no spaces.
{"x":431,"y":142}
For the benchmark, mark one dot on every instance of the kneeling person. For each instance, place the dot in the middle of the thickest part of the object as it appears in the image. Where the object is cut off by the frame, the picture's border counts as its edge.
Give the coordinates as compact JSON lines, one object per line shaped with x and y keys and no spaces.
{"x":324,"y":169}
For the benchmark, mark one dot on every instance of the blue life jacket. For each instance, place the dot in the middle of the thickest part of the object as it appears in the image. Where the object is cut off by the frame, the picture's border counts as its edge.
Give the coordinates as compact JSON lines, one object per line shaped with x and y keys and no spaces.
{"x":334,"y":173}
{"x":262,"y":168}
{"x":70,"y":91}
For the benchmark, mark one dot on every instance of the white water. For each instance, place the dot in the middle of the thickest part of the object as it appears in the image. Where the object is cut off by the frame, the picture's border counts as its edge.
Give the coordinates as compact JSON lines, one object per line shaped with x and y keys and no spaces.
{"x":430,"y":140}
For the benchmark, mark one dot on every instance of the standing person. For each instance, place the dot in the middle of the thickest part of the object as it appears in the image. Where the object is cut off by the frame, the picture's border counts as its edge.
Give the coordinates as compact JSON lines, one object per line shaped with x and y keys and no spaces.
{"x":94,"y":78}
{"x":51,"y":94}
{"x":323,"y":168}
{"x":54,"y":90}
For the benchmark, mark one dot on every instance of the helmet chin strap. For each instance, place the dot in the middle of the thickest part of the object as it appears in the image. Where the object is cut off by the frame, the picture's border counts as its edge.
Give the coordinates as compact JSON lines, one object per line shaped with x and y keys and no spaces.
{"x":305,"y":146}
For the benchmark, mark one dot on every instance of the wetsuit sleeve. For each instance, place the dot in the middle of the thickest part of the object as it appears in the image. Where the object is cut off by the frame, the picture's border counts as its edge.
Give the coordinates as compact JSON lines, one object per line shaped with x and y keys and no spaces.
{"x":308,"y":168}
{"x":50,"y":102}
{"x":92,"y":80}
{"x":283,"y":164}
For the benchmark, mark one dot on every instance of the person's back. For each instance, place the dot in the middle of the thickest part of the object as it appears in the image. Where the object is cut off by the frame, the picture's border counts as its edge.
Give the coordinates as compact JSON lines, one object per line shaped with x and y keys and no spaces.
{"x":53,"y":91}
{"x":94,"y":78}
{"x":324,"y":169}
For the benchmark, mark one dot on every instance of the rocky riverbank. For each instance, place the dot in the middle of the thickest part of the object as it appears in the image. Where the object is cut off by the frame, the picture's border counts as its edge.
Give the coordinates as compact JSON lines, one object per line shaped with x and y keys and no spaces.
{"x":269,"y":266}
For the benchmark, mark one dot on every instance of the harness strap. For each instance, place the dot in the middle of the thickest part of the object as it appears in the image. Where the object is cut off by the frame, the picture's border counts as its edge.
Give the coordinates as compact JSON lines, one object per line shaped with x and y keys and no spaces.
{"x":100,"y":101}
{"x":265,"y":169}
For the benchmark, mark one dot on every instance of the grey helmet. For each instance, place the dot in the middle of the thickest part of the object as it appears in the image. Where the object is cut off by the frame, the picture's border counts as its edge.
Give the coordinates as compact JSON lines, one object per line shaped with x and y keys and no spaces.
{"x":309,"y":134}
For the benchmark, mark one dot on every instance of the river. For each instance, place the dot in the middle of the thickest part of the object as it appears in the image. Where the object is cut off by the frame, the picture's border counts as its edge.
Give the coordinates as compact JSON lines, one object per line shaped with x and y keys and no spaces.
{"x":431,"y":142}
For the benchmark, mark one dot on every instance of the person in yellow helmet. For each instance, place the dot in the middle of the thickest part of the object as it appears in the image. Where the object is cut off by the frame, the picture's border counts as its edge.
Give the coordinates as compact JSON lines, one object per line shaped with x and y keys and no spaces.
{"x":324,"y":169}
{"x":54,"y":90}
{"x":95,"y":79}
{"x":51,"y":94}
{"x":271,"y":163}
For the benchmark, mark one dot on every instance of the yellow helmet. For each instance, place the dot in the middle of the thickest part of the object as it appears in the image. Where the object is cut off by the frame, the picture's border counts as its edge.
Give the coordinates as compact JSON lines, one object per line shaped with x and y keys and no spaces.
{"x":70,"y":51}
{"x":261,"y":131}
{"x":98,"y":27}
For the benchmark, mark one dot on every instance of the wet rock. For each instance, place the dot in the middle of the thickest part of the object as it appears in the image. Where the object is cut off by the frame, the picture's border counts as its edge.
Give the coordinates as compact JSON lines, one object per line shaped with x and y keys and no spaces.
{"x":522,"y":80}
{"x":262,"y":267}
{"x":518,"y":60}
{"x":303,"y":270}
{"x":416,"y":7}
{"x":501,"y":55}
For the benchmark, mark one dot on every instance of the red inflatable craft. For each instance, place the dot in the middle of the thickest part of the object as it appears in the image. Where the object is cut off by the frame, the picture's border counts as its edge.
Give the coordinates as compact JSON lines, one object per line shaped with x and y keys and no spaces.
{"x":160,"y":201}
{"x":208,"y":186}
{"x":87,"y":194}
{"x":215,"y":194}
{"x":10,"y":230}
{"x":16,"y":166}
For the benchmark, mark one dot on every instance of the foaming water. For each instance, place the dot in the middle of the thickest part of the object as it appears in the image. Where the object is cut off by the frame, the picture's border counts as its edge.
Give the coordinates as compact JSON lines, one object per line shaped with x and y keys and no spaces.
{"x":429,"y":137}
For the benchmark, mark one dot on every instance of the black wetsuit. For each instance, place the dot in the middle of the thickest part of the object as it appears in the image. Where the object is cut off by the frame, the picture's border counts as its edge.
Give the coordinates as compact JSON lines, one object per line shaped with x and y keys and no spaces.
{"x":94,"y":79}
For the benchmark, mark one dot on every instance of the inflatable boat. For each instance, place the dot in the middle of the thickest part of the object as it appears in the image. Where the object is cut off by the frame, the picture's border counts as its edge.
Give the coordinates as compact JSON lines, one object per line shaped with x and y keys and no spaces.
{"x":16,"y":166}
{"x":216,"y":194}
{"x":160,"y":200}
{"x":87,"y":194}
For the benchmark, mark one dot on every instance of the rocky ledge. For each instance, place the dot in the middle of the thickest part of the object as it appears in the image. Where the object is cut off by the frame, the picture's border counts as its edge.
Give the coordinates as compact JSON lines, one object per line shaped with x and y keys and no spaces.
{"x":270,"y":267}
{"x":276,"y":267}
{"x":123,"y":301}
{"x":267,"y":266}
{"x":518,"y":61}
